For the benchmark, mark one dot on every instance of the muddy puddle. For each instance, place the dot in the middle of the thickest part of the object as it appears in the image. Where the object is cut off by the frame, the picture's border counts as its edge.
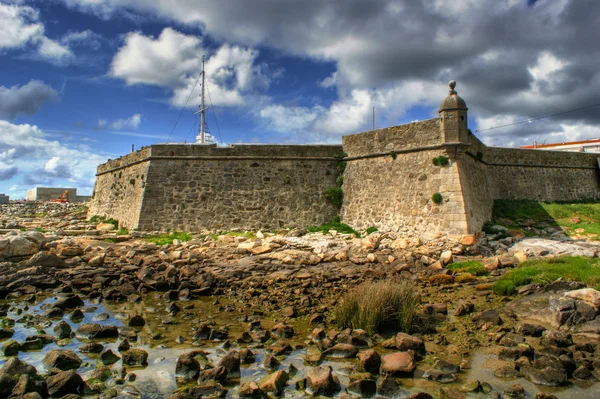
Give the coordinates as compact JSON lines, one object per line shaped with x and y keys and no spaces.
{"x":167,"y":335}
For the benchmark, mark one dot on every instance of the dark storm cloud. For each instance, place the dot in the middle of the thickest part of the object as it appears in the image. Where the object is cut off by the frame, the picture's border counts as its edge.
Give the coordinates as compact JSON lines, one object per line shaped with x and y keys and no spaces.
{"x":491,"y":47}
{"x":25,"y":100}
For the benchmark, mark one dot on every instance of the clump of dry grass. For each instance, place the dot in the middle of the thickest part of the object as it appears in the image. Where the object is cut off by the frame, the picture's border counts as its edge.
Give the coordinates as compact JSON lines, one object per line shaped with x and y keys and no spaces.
{"x":378,"y":306}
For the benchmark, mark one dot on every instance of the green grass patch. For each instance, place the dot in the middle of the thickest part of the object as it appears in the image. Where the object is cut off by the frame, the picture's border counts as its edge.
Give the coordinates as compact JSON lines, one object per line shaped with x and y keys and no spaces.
{"x":574,"y":268}
{"x":111,"y":239}
{"x":470,"y":266}
{"x":41,"y":230}
{"x":376,"y":307}
{"x":371,"y":230}
{"x":584,"y":215}
{"x":97,"y":219}
{"x":167,"y":238}
{"x":122,"y":231}
{"x":336,"y":225}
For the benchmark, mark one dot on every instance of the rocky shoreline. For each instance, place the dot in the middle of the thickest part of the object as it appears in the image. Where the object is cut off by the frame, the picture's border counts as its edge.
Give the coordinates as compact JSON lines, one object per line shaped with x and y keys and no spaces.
{"x":252,"y":317}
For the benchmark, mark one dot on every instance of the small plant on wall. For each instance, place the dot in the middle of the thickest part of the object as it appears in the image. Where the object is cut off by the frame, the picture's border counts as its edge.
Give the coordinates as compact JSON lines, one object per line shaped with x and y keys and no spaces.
{"x":441,"y":161}
{"x":437,"y":198}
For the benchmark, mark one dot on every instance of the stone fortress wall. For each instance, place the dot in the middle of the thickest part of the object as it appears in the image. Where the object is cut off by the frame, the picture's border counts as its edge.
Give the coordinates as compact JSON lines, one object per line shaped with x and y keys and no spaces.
{"x":196,"y":187}
{"x":389,"y":181}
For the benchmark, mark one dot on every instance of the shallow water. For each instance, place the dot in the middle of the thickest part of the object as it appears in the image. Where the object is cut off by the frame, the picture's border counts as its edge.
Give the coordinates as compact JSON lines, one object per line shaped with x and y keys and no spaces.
{"x":157,"y":380}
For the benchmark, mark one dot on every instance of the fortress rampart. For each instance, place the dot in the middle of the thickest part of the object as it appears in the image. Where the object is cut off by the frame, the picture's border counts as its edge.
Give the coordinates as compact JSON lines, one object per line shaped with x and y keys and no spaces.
{"x":389,"y":181}
{"x":195,"y":187}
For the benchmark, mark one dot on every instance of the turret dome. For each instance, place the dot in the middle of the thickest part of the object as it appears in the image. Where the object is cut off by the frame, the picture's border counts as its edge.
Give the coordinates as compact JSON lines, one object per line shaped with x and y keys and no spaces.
{"x":453,"y":101}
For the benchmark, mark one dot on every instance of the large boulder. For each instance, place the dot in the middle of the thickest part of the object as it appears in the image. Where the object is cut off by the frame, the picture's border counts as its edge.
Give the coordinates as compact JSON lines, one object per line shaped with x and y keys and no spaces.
{"x":15,"y":246}
{"x":64,"y":383}
{"x":10,"y":373}
{"x":398,"y":364}
{"x":96,"y":331}
{"x":321,"y":381}
{"x":62,"y":360}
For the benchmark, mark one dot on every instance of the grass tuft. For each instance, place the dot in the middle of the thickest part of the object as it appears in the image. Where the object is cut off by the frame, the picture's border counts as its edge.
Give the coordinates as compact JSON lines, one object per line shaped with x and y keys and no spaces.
{"x":472,"y":266}
{"x":543,"y":271}
{"x":122,"y":231}
{"x":336,"y":225}
{"x":376,"y":307}
{"x":167,"y":238}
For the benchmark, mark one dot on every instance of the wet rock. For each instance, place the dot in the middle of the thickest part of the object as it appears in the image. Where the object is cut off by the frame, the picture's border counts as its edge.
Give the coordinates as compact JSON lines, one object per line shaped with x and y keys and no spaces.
{"x":206,"y":389}
{"x":448,"y":393}
{"x":251,"y":390}
{"x":123,"y":345}
{"x":62,"y":330}
{"x":271,"y":363}
{"x":231,"y":363}
{"x":463,"y":308}
{"x":62,"y":360}
{"x":68,"y":302}
{"x":507,"y":372}
{"x":515,"y":392}
{"x":542,"y":395}
{"x":218,"y":374}
{"x":282,"y":331}
{"x":92,"y":347}
{"x":64,"y":383}
{"x":280,"y":347}
{"x":313,"y":356}
{"x":487,"y":316}
{"x":247,"y":356}
{"x":188,"y":366}
{"x":10,"y":348}
{"x":531,"y":330}
{"x":10,"y":373}
{"x":96,"y":331}
{"x":76,"y":316}
{"x":582,"y":373}
{"x":545,"y":371}
{"x":136,"y":321}
{"x":473,"y":386}
{"x":405,"y":343}
{"x":30,"y":384}
{"x":135,"y":358}
{"x":363,"y":388}
{"x":343,"y":351}
{"x":398,"y":364}
{"x":515,"y":352}
{"x":369,"y":361}
{"x":31,"y":344}
{"x":561,"y":339}
{"x":108,"y":357}
{"x":321,"y":381}
{"x":389,"y":387}
{"x":420,"y":395}
{"x":274,"y":383}
{"x":512,"y":339}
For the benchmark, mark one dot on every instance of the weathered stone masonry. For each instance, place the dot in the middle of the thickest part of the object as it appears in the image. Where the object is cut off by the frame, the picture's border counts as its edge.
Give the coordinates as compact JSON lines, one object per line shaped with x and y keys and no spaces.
{"x":195,"y":187}
{"x":389,"y":181}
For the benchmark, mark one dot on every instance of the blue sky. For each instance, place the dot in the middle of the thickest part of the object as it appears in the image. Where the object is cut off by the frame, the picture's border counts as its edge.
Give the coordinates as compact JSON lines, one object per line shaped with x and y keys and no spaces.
{"x":83,"y":80}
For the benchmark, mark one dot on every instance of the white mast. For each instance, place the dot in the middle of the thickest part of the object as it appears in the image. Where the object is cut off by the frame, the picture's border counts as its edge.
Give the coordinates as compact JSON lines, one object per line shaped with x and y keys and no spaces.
{"x":202,"y":136}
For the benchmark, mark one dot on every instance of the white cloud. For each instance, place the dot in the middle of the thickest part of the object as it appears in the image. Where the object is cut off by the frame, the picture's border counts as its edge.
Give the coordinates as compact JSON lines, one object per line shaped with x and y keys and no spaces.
{"x":289,"y":119}
{"x":53,"y":51}
{"x":20,"y":26}
{"x":26,"y":151}
{"x":130,"y":123}
{"x":85,"y":38}
{"x":25,"y":100}
{"x":174,"y":60}
{"x":164,"y":61}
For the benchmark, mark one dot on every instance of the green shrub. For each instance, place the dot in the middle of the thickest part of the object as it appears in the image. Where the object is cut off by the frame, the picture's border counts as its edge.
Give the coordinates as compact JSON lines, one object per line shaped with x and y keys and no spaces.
{"x":378,"y":306}
{"x":167,"y":238}
{"x":441,"y":160}
{"x":132,"y":182}
{"x":437,"y":198}
{"x":371,"y":229}
{"x":122,"y":231}
{"x":339,"y":180}
{"x":335,"y":195}
{"x":471,"y":266}
{"x":336,"y":225}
